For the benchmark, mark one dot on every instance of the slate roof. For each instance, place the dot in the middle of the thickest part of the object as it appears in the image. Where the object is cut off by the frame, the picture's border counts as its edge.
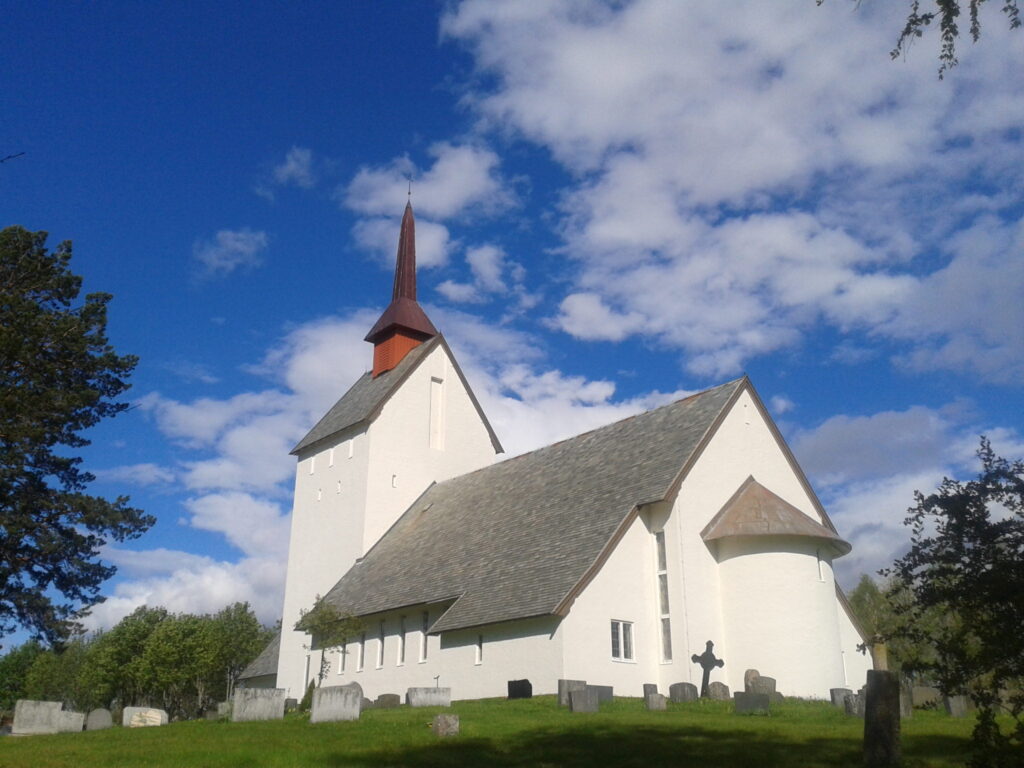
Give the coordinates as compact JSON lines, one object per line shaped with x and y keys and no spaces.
{"x":755,"y":511}
{"x":266,"y":662}
{"x":515,"y":539}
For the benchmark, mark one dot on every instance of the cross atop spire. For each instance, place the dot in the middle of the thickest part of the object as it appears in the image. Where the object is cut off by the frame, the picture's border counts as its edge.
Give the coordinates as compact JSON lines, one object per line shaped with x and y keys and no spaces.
{"x":404,"y":325}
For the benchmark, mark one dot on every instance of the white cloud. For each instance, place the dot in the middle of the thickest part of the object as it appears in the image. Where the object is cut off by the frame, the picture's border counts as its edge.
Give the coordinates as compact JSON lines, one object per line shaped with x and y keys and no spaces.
{"x":297,"y":169}
{"x":255,"y":526}
{"x":780,"y":404}
{"x":461,"y":293}
{"x":380,"y":236}
{"x":145,"y":473}
{"x":229,"y":250}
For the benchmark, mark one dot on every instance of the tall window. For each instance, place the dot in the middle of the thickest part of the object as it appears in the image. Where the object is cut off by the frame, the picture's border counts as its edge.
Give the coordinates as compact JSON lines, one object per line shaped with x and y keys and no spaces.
{"x":401,"y":640}
{"x":362,"y":653}
{"x":342,"y":657}
{"x":479,"y":649}
{"x":424,"y":636}
{"x":380,"y":646}
{"x":622,"y":640}
{"x":666,"y":622}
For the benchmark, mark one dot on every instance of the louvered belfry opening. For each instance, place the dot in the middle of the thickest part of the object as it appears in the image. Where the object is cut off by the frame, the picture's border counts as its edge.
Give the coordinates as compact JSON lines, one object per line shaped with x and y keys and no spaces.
{"x":404,"y":325}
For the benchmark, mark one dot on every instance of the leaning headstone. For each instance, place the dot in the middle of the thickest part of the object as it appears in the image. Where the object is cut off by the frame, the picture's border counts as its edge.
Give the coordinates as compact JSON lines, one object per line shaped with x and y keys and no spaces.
{"x":955,"y":706}
{"x":749,"y":677}
{"x":520,"y":689}
{"x":838,"y":696}
{"x":680,"y":692}
{"x":882,"y":720}
{"x":853,"y":705}
{"x":333,"y":703}
{"x":604,"y":692}
{"x":926,"y":697}
{"x":70,"y":722}
{"x":143,"y":717}
{"x":98,"y":720}
{"x":429,"y":697}
{"x":718,"y":691}
{"x":584,"y":700}
{"x":762,"y":684}
{"x":290,"y":705}
{"x":650,"y":688}
{"x":364,"y":703}
{"x":387,"y":701}
{"x":252,"y":704}
{"x":746,"y":703}
{"x":35,"y":716}
{"x":446,"y":725}
{"x":655,"y":702}
{"x":565,"y":687}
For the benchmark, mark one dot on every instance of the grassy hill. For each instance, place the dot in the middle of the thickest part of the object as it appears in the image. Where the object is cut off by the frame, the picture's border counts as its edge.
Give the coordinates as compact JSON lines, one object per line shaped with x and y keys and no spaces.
{"x":502,"y":733}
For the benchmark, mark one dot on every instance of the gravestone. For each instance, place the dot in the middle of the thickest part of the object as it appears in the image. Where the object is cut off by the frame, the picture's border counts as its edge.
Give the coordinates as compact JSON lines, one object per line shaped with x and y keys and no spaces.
{"x":853,"y":705}
{"x":604,"y":692}
{"x":718,"y":691}
{"x":224,"y":709}
{"x":761,"y":684}
{"x":650,"y":688}
{"x":584,"y":700}
{"x":838,"y":696}
{"x":35,"y":716}
{"x":290,"y":705}
{"x":334,"y":703}
{"x":98,"y":720}
{"x":446,"y":725}
{"x":70,"y":722}
{"x":429,"y":697}
{"x":254,"y":704}
{"x":707,"y":662}
{"x":926,"y":697}
{"x":776,"y":697}
{"x":747,"y":703}
{"x":143,"y":717}
{"x":882,"y":720}
{"x":364,"y":703}
{"x":388,"y":701}
{"x":211,"y":714}
{"x":680,"y":692}
{"x":655,"y":702}
{"x":749,"y":677}
{"x":906,"y":699}
{"x":520,"y":689}
{"x":356,"y":687}
{"x":565,"y":687}
{"x":955,"y":706}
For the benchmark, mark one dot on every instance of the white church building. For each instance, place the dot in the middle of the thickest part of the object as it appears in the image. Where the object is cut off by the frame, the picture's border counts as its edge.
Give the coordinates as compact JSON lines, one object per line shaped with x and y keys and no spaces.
{"x":611,"y":557}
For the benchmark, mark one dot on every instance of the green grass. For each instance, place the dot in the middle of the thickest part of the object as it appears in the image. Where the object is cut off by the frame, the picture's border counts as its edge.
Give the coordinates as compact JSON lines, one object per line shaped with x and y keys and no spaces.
{"x":502,"y":733}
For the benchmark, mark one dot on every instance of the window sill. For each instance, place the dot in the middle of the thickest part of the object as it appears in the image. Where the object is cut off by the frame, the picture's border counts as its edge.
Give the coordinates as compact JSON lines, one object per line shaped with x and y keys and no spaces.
{"x":624,"y":661}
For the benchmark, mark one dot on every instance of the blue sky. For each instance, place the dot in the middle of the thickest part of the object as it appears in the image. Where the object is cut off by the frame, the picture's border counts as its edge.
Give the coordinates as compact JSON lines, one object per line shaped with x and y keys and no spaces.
{"x":616,"y":205}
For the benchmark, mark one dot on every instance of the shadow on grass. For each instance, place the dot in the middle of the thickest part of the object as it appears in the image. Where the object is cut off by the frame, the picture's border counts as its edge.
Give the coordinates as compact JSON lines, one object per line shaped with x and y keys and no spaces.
{"x":648,"y":747}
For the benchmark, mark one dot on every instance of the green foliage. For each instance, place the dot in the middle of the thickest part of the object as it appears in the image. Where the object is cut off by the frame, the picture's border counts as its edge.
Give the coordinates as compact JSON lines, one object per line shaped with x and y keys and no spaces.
{"x":14,"y":667}
{"x":58,"y":377}
{"x":55,"y":676}
{"x":115,"y":671}
{"x":307,"y":698}
{"x":328,"y":627}
{"x":964,"y":578}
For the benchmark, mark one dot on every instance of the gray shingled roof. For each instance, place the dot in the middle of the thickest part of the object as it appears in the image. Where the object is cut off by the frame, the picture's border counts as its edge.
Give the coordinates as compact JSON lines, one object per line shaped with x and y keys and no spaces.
{"x":266,"y":662}
{"x":514,"y":539}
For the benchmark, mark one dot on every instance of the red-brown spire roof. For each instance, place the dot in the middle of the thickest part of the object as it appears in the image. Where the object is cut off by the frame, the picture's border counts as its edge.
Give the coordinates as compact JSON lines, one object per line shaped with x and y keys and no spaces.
{"x":404,"y":318}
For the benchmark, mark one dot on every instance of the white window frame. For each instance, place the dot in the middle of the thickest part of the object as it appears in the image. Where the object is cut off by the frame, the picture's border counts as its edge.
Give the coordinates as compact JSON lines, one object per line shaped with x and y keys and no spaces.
{"x":661,"y":585}
{"x":624,"y":638}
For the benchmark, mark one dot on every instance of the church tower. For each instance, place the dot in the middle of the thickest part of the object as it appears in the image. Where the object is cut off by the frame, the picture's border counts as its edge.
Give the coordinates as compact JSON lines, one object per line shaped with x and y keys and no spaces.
{"x":409,"y":422}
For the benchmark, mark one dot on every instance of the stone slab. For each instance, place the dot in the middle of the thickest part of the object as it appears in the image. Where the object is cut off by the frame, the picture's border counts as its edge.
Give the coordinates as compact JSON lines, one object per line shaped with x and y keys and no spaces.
{"x":224,"y":708}
{"x":650,"y":688}
{"x":365,"y":703}
{"x":290,"y":705}
{"x":762,"y":684}
{"x":838,"y":696}
{"x":718,"y":691}
{"x":655,"y":702}
{"x":680,"y":692}
{"x":429,"y":697}
{"x":955,"y":706}
{"x":445,"y":725}
{"x":853,"y":705}
{"x":255,"y":704}
{"x":882,"y":720}
{"x":520,"y":689}
{"x":70,"y":722}
{"x":565,"y":687}
{"x":334,"y":703}
{"x":35,"y":716}
{"x":143,"y":717}
{"x":925,"y":696}
{"x":98,"y":720}
{"x":584,"y":700}
{"x":749,"y":677}
{"x":387,"y":701}
{"x":748,"y":703}
{"x":604,"y":692}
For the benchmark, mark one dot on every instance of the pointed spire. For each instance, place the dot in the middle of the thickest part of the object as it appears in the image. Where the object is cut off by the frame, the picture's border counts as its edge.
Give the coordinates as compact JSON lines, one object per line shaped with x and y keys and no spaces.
{"x":404,"y":325}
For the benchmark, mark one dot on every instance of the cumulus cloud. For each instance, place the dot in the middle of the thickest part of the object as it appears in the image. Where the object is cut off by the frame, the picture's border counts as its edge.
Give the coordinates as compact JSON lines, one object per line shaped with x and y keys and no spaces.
{"x":145,"y":473}
{"x":230,"y":250}
{"x":296,"y":169}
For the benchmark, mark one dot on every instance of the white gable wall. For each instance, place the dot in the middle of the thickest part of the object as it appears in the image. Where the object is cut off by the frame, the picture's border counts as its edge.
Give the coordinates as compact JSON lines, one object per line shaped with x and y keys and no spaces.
{"x":855,"y":663}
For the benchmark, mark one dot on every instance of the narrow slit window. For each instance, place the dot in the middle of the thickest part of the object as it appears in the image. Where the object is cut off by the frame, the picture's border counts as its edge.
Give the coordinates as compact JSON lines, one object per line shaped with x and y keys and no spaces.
{"x":342,"y":657}
{"x":380,"y":646}
{"x":312,"y":464}
{"x":479,"y":649}
{"x":330,"y":458}
{"x":661,"y":562}
{"x":401,"y":640}
{"x":361,"y":658}
{"x":424,"y":637}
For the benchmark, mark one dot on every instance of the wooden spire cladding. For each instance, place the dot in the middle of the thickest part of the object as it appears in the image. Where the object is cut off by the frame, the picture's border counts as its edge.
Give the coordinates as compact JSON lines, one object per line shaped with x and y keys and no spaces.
{"x":404,"y":325}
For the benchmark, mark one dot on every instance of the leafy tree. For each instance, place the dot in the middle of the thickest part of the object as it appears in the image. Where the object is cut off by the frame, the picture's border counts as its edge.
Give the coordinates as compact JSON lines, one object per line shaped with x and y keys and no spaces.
{"x":966,"y":566}
{"x":239,"y":637}
{"x":328,"y":629}
{"x":58,"y":377}
{"x":114,"y":671}
{"x":179,"y":664}
{"x":14,"y":667}
{"x":55,"y":675}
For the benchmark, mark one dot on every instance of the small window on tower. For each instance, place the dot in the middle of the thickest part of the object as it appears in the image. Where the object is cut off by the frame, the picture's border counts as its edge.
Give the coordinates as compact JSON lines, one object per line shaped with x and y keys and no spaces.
{"x":330,"y":458}
{"x":312,"y":464}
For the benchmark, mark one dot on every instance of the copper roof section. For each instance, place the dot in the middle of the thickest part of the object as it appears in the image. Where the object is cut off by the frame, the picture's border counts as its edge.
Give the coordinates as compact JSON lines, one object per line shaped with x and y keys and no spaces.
{"x":404,"y":313}
{"x":755,"y":511}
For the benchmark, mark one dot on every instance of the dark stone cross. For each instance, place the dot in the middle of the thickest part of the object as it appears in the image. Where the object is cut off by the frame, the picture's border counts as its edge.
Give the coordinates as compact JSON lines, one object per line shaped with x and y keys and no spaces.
{"x":707,"y":662}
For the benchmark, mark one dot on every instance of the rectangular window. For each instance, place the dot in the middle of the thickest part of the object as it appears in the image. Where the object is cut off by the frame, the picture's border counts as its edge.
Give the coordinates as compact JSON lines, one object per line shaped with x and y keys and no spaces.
{"x":437,"y":413}
{"x":342,"y":657}
{"x":622,"y":640}
{"x":666,"y":640}
{"x":479,"y":649}
{"x":661,"y":561}
{"x":312,"y":464}
{"x":424,"y":637}
{"x":401,"y":640}
{"x":351,"y":448}
{"x":330,"y":458}
{"x":380,"y":646}
{"x":362,"y":653}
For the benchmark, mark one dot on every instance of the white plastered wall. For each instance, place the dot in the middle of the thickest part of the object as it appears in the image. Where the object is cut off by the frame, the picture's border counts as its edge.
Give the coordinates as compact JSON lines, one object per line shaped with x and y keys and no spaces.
{"x":351,"y":488}
{"x":529,"y":649}
{"x":855,"y":663}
